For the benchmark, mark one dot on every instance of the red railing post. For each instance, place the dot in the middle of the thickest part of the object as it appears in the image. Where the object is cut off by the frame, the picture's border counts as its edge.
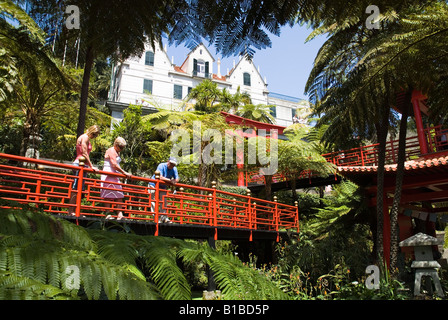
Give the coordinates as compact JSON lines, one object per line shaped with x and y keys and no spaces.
{"x":276,"y":217}
{"x":80,"y":183}
{"x":362,"y":155}
{"x":249,"y":212}
{"x":181,"y":191}
{"x":156,"y":193}
{"x":215,"y":210}
{"x":254,"y":216}
{"x":210,"y":209}
{"x":234,"y":213}
{"x":296,"y":222}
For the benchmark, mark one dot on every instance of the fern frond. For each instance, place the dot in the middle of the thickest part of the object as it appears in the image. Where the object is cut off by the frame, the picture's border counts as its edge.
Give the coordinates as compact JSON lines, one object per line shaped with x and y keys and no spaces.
{"x":238,"y":281}
{"x":160,"y":257}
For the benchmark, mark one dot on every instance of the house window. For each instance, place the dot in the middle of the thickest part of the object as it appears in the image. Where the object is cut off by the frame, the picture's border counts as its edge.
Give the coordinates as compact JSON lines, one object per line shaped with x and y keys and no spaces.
{"x":246,"y":78}
{"x":273,"y":111}
{"x":293,"y":112}
{"x":201,"y":68}
{"x":149,"y":58}
{"x":147,"y":86}
{"x":177,"y":94}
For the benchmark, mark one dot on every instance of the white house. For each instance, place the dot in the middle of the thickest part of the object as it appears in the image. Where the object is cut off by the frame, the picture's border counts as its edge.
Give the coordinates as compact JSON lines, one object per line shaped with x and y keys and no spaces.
{"x":154,"y":81}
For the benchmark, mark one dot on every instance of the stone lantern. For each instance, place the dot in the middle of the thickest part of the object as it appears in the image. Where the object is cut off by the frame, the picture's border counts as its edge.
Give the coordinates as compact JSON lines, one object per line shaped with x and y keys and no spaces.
{"x":424,"y":263}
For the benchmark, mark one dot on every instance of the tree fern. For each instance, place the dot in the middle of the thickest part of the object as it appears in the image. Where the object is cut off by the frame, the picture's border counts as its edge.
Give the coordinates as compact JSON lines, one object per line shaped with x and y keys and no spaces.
{"x":32,"y":249}
{"x":40,"y":255}
{"x":236,"y":280}
{"x":159,"y":255}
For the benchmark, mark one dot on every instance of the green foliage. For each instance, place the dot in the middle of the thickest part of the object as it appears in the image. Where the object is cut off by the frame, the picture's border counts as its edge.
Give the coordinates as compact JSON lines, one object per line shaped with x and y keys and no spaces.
{"x":342,"y":288}
{"x":258,"y":112}
{"x":238,"y":281}
{"x":37,"y":250}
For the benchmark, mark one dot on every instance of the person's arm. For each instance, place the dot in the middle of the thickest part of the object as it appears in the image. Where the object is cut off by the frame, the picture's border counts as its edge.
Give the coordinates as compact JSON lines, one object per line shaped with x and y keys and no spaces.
{"x":85,"y":152}
{"x":163,"y":178}
{"x":176,"y":176}
{"x":112,"y":154}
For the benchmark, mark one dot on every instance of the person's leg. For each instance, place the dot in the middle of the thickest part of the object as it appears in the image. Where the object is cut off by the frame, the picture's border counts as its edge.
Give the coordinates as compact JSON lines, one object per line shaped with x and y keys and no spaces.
{"x":152,"y":199}
{"x":120,"y":213}
{"x":71,"y":210}
{"x":74,"y":191}
{"x":162,"y":206}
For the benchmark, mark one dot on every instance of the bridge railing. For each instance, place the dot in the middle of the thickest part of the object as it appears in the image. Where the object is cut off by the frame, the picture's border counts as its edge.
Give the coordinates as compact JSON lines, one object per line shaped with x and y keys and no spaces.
{"x":368,"y":155}
{"x":51,"y":186}
{"x":253,"y":177}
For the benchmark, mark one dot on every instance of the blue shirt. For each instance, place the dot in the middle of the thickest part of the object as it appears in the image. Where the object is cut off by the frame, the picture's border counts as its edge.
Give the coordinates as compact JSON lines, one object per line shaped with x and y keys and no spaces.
{"x":164,"y":172}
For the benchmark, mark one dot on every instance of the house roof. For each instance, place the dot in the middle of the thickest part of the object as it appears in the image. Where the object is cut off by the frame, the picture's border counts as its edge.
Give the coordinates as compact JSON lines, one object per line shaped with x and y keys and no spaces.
{"x":251,"y":62}
{"x":434,"y":163}
{"x":234,"y":119}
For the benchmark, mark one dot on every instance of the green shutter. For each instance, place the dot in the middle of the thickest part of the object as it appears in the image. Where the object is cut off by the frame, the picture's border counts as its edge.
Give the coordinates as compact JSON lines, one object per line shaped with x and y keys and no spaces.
{"x":195,"y":67}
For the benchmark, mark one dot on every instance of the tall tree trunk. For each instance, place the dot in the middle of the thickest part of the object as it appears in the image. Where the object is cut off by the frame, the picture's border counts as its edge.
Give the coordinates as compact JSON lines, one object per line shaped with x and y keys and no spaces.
{"x":394,"y":236}
{"x":85,"y":91}
{"x":268,"y":187}
{"x":382,"y":130}
{"x":293,"y":182}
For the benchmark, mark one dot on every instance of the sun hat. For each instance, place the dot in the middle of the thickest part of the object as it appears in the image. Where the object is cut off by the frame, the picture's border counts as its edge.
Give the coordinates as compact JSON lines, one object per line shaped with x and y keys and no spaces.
{"x":173,"y":160}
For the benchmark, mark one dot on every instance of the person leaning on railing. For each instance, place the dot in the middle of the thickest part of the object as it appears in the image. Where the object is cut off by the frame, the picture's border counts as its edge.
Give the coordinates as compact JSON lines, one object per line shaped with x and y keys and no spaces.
{"x":83,"y":148}
{"x":169,"y":175}
{"x":112,"y":161}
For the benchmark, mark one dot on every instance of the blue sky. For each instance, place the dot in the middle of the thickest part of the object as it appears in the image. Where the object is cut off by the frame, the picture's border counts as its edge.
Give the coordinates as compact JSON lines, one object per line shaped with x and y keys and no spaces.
{"x":286,"y":64}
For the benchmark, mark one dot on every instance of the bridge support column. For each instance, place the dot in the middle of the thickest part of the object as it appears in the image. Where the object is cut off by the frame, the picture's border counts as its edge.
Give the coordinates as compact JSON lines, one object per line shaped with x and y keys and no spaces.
{"x":211,"y":286}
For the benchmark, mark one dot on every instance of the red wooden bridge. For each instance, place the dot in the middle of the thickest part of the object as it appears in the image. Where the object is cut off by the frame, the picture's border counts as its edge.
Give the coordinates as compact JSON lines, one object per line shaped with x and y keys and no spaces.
{"x":195,"y":212}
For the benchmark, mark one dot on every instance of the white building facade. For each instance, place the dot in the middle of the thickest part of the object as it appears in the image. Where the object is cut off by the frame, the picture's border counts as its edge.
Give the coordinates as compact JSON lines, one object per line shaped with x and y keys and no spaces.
{"x":154,"y":81}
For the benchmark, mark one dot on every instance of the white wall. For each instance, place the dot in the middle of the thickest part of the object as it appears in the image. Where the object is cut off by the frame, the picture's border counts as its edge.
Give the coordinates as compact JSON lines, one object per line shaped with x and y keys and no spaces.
{"x":164,"y":75}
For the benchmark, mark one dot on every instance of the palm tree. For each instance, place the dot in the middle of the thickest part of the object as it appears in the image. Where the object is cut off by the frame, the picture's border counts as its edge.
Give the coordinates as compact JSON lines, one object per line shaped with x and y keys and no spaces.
{"x":10,"y":43}
{"x":358,"y":74}
{"x":206,"y":95}
{"x":259,"y":112}
{"x":301,"y":152}
{"x":38,"y":77}
{"x":231,"y":102}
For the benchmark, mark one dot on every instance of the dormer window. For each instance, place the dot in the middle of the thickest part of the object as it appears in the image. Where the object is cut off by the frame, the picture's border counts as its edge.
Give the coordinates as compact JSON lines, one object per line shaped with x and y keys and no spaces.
{"x":246,"y":79}
{"x":200,"y":68}
{"x":149,"y":58}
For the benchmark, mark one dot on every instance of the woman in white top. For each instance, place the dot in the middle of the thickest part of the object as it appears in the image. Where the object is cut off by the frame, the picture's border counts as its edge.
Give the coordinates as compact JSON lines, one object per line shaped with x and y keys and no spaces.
{"x":110,"y":185}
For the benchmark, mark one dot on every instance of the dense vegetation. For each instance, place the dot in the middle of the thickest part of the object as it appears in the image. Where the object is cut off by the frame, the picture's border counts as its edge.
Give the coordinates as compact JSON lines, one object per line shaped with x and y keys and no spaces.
{"x":353,"y":84}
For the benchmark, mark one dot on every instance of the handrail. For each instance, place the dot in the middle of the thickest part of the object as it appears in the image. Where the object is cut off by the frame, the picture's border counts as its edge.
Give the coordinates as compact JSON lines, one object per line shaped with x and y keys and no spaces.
{"x":49,"y":185}
{"x":436,"y":139}
{"x":368,"y":155}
